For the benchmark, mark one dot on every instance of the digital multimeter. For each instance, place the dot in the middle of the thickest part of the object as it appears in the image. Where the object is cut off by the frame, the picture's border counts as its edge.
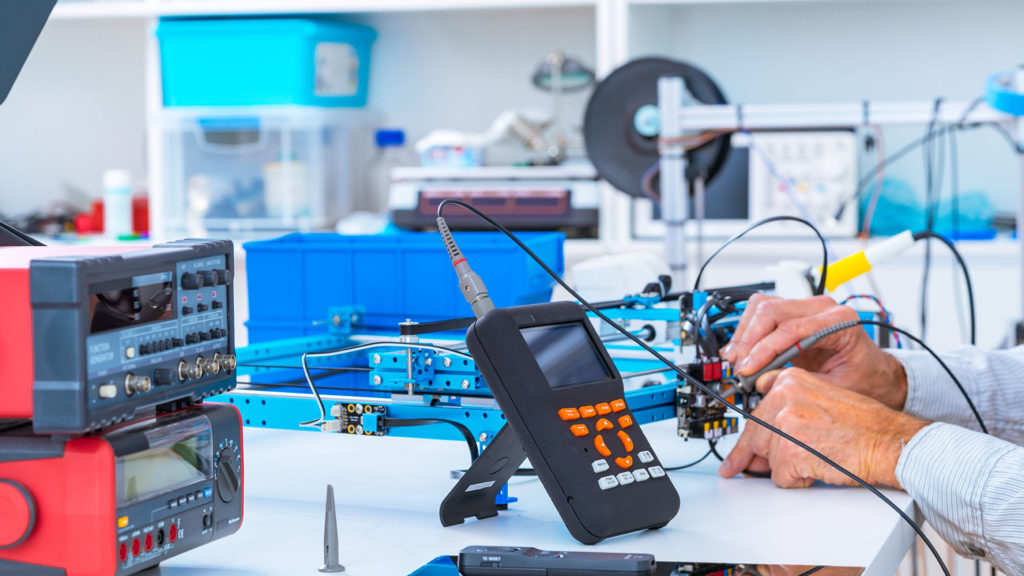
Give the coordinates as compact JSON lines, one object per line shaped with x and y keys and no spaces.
{"x":564,"y":400}
{"x":121,"y":501}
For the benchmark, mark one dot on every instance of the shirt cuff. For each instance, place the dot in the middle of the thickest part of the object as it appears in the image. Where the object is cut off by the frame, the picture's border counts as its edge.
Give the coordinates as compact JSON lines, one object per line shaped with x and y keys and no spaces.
{"x":931,"y":393}
{"x":945,"y":469}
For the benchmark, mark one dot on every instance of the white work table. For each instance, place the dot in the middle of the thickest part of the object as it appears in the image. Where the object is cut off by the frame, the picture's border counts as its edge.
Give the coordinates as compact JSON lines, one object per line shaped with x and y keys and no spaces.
{"x":388,"y":491}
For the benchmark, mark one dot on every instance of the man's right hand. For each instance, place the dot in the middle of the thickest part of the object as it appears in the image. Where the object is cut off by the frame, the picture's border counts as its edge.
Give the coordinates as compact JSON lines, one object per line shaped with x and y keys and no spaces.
{"x":848,"y":358}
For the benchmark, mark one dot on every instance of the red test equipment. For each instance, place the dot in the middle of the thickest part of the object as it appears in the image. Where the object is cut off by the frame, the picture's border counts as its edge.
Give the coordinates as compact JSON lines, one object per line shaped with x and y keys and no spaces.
{"x":95,"y":336}
{"x":121,"y":501}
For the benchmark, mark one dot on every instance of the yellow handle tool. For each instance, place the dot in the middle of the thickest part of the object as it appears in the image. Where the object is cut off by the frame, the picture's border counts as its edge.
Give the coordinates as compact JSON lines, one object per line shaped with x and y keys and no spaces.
{"x":843,"y":270}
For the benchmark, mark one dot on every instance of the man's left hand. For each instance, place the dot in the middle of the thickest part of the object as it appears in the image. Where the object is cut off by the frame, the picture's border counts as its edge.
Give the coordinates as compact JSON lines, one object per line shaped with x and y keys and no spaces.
{"x":858,"y":433}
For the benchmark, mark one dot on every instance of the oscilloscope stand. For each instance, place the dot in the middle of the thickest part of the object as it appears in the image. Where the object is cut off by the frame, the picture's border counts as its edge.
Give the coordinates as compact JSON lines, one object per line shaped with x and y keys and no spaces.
{"x":476,"y":492}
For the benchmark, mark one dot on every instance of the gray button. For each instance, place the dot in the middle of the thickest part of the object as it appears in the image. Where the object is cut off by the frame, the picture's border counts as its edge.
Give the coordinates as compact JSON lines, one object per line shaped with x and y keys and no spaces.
{"x":625,"y":478}
{"x":599,"y":466}
{"x":172,"y":504}
{"x":199,"y":494}
{"x":656,"y":471}
{"x":190,"y":498}
{"x":646,"y":457}
{"x":640,"y":474}
{"x":607,"y":482}
{"x":181,"y":501}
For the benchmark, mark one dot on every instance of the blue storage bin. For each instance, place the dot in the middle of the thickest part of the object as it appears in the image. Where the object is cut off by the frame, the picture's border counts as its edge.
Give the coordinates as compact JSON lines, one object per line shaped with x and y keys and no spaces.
{"x":259,"y":61}
{"x":266,"y":331}
{"x":294,"y":280}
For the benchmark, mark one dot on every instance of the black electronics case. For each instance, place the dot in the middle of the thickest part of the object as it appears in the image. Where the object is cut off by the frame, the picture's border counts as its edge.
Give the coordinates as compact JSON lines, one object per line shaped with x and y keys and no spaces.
{"x":567,"y":464}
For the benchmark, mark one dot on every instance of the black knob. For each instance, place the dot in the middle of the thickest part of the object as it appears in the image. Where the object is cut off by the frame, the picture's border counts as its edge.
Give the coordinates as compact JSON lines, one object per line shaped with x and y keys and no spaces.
{"x":223,"y":277}
{"x":191,"y":281}
{"x":216,"y":304}
{"x":204,"y":336}
{"x":191,"y":338}
{"x":177,"y":342}
{"x":143,"y":349}
{"x":186,"y":310}
{"x":201,"y":307}
{"x":162,"y":377}
{"x":229,"y":479}
{"x":209,"y":277}
{"x":207,"y":520}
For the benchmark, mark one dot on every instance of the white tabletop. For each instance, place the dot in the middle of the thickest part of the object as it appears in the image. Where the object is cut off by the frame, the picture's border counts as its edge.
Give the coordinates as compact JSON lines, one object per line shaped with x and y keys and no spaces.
{"x":388,"y":491}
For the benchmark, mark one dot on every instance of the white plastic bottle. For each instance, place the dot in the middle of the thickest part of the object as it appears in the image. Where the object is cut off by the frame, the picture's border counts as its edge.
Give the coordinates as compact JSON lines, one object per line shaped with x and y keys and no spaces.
{"x":391,"y":153}
{"x":117,"y":205}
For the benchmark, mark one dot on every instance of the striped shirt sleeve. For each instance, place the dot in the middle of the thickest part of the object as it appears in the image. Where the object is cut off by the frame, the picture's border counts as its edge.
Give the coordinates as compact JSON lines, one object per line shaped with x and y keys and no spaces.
{"x":970,"y":487}
{"x":993,"y":379}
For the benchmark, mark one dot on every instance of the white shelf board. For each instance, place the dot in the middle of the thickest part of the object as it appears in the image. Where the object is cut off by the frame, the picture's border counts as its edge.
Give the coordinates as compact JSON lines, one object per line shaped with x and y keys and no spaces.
{"x":714,"y":2}
{"x":711,"y":2}
{"x":768,"y":250}
{"x":97,"y":9}
{"x":581,"y":171}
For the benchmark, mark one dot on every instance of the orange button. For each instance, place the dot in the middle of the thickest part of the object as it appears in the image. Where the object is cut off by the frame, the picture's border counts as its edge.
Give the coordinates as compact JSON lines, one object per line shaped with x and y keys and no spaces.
{"x":618,"y":405}
{"x":626,"y":421}
{"x":569,"y":414}
{"x":624,"y":462}
{"x":603,"y":409}
{"x":587,"y":411}
{"x":604,"y":424}
{"x":579,"y":430}
{"x":627,"y":442}
{"x":602,"y":448}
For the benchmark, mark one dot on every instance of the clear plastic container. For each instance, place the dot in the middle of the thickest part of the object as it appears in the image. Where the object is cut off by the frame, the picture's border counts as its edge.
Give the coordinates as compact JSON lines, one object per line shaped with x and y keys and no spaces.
{"x":257,"y":169}
{"x":390,"y":153}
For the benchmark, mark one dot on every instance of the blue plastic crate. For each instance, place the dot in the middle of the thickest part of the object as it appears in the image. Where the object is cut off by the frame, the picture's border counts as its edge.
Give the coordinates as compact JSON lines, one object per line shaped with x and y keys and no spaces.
{"x":266,"y":331}
{"x":260,"y":61}
{"x":294,"y":280}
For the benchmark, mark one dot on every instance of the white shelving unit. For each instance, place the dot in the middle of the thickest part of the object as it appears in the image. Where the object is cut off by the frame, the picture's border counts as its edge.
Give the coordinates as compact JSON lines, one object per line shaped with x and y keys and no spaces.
{"x":597,"y":20}
{"x":447,"y":26}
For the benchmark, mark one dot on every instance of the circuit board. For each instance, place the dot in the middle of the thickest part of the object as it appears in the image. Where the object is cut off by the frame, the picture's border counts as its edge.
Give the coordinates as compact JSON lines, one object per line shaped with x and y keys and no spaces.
{"x":697,"y":415}
{"x":360,"y":419}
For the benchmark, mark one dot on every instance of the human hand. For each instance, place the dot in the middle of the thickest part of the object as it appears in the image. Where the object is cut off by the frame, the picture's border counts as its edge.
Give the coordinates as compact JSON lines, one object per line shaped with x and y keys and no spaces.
{"x":848,"y":358}
{"x":858,"y":433}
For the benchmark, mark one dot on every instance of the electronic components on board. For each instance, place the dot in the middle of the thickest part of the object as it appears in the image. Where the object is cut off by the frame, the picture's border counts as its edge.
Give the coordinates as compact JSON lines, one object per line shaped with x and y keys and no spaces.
{"x":698,"y":415}
{"x":359,"y":419}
